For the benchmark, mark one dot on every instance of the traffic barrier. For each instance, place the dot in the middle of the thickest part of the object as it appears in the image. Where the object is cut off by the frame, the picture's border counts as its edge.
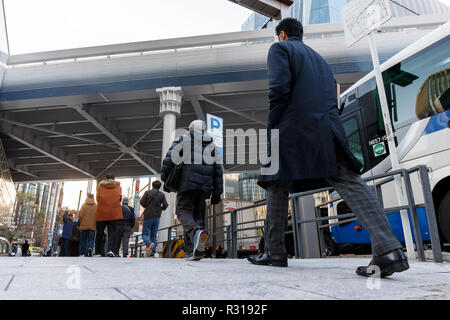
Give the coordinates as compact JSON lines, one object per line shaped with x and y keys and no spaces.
{"x":231,"y":231}
{"x":177,"y":249}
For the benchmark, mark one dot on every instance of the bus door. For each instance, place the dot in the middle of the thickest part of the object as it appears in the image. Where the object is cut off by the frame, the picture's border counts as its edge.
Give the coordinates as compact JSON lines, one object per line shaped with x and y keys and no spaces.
{"x":355,"y":133}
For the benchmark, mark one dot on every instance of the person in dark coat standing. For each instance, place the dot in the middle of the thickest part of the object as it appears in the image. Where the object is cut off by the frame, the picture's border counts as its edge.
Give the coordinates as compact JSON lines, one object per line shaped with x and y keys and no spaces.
{"x":201,"y":178}
{"x":74,"y":243}
{"x":25,"y":249}
{"x":66,"y":234}
{"x":154,"y":202}
{"x":124,"y":227}
{"x":314,"y":151}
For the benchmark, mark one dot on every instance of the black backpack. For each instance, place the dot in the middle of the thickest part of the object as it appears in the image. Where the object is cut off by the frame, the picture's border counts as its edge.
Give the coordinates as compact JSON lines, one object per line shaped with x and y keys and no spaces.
{"x":173,"y":179}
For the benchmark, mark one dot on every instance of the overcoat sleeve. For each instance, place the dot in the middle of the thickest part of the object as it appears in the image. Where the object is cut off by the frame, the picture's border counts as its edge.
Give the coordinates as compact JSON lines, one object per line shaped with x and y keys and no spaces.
{"x":279,"y":74}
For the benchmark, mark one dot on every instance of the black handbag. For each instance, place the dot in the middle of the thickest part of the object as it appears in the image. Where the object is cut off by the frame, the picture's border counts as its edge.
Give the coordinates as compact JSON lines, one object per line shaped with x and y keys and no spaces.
{"x":171,"y":183}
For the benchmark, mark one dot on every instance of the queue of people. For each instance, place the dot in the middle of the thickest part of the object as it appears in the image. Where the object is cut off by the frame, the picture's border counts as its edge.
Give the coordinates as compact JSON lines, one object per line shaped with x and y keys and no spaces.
{"x":104,"y":226}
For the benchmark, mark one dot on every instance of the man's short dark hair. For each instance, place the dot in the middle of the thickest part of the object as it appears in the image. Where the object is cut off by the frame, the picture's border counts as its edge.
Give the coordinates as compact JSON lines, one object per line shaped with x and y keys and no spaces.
{"x":110,"y":176}
{"x":290,"y":26}
{"x":156,"y":184}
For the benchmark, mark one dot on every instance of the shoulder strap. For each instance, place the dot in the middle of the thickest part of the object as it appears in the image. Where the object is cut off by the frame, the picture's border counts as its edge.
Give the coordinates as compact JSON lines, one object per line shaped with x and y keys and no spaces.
{"x":128,"y":209}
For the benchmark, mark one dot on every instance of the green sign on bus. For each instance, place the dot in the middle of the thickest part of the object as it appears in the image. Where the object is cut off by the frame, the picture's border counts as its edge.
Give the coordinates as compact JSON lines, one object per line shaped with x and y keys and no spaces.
{"x":379,"y":149}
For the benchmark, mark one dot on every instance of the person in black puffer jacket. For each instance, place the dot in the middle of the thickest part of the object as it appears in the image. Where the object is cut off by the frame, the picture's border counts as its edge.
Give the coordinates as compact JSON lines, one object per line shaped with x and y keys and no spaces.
{"x":200,"y":178}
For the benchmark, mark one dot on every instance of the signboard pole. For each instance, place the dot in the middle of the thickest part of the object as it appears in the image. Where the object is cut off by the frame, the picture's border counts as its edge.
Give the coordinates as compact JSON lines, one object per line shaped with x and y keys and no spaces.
{"x":392,"y":148}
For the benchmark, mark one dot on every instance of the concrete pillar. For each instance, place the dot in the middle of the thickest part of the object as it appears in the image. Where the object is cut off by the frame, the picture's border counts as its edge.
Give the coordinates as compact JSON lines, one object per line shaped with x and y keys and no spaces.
{"x":285,"y":13}
{"x":170,"y":108}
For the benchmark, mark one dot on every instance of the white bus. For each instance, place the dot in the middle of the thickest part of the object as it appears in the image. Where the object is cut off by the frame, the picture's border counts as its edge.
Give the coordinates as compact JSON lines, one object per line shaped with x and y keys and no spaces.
{"x":417,"y":82}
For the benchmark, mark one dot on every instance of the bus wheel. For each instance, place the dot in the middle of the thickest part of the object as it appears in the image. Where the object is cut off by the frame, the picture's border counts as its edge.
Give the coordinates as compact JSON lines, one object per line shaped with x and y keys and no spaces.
{"x":444,"y":217}
{"x":331,"y":248}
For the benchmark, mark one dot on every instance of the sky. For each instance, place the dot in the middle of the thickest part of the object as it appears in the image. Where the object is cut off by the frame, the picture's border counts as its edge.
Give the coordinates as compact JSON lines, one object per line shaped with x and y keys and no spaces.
{"x":43,"y":25}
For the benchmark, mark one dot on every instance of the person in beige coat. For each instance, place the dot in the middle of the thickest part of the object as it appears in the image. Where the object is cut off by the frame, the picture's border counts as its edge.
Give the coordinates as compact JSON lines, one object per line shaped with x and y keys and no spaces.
{"x":87,"y":220}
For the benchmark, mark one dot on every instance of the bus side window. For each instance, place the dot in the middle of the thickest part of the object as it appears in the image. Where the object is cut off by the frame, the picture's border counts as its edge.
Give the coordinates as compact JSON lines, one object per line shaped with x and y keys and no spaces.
{"x":419,"y":86}
{"x":343,"y":208}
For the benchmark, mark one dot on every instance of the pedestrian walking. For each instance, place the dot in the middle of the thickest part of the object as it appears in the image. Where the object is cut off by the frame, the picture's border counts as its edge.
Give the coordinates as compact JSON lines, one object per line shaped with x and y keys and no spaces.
{"x":25,"y":249}
{"x":314,"y":152}
{"x":13,"y":250}
{"x":19,"y":251}
{"x":74,"y":243}
{"x":124,"y":228}
{"x":154,"y":203}
{"x":87,"y":218}
{"x":109,"y":212}
{"x":67,"y":233}
{"x":197,"y":182}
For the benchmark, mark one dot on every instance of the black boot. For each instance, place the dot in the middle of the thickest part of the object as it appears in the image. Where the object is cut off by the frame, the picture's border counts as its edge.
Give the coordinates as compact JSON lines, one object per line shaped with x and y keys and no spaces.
{"x":268,"y":260}
{"x":393,"y":261}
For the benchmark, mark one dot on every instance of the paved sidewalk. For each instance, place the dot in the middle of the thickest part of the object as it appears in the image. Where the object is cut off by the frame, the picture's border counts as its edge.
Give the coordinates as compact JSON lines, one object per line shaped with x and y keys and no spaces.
{"x":153,"y":278}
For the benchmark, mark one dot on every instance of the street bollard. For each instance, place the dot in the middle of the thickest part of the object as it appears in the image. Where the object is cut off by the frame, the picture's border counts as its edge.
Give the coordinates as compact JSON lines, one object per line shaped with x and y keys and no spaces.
{"x":214,"y":236}
{"x":234,"y":234}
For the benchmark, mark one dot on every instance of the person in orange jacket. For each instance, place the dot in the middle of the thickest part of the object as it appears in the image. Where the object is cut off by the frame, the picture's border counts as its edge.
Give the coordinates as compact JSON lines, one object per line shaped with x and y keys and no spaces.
{"x":109,"y":212}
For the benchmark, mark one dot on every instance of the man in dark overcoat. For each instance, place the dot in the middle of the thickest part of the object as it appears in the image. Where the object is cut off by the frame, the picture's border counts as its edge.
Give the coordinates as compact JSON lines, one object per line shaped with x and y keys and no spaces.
{"x":314,"y":151}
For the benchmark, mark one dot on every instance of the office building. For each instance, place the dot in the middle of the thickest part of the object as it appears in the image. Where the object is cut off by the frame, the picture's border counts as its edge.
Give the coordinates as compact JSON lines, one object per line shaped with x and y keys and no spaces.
{"x":329,"y":11}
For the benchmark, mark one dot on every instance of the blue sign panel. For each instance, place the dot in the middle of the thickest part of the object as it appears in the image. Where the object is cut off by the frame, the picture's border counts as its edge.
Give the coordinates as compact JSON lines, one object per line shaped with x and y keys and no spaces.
{"x":214,"y":127}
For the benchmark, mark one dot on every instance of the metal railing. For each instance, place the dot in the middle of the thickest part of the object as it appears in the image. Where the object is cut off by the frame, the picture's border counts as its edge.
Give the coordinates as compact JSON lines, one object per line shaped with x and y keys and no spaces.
{"x":231,"y":230}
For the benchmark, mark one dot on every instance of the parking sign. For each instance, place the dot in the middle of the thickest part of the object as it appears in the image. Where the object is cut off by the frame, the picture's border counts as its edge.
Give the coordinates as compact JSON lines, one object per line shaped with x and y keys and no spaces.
{"x":214,"y":127}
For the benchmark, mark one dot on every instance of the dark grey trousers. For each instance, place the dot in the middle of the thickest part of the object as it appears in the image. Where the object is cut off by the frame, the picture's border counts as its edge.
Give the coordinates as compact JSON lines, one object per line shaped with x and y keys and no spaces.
{"x":190,"y":210}
{"x":354,"y":191}
{"x":123,"y":233}
{"x":99,"y":242}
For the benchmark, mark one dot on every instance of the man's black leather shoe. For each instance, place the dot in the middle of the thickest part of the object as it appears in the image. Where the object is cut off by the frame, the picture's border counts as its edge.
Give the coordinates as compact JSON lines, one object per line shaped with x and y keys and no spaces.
{"x":266,"y":260}
{"x":386,"y":264}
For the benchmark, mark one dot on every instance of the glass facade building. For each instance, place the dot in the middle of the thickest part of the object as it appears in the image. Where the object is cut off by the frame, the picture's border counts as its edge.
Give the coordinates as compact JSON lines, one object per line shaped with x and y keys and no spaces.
{"x":249,"y":189}
{"x":47,"y":198}
{"x":322,"y":11}
{"x":329,"y":11}
{"x":243,"y":186}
